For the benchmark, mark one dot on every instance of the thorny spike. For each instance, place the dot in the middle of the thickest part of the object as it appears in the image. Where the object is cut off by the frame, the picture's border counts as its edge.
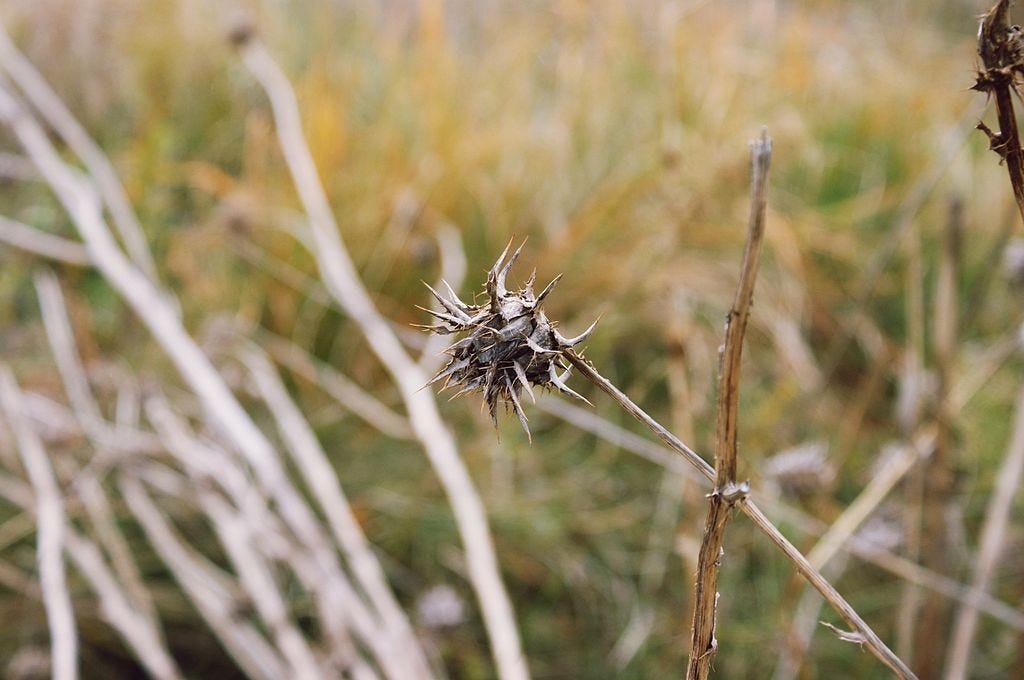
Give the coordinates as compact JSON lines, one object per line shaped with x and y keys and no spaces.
{"x":530,"y":281}
{"x":491,"y":373}
{"x":548,"y":288}
{"x":461,"y":344}
{"x":538,"y":349}
{"x":440,"y":330}
{"x":455,"y":298}
{"x":503,"y":272}
{"x":449,"y":369}
{"x":464,"y":390}
{"x":562,"y":387}
{"x":492,"y":275}
{"x":571,"y":342}
{"x":501,"y":258}
{"x":517,"y":407}
{"x":454,"y":320}
{"x":523,"y":380}
{"x":448,"y":304}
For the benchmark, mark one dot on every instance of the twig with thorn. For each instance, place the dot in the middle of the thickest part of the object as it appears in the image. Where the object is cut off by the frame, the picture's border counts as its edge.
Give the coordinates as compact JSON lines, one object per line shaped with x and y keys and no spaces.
{"x":1001,"y":48}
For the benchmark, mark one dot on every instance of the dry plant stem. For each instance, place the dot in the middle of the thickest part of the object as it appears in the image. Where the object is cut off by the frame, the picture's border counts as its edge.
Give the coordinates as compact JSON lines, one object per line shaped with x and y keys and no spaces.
{"x":103,"y":176}
{"x":883,"y":559}
{"x":842,"y":532}
{"x":588,"y":371}
{"x":337,"y":604}
{"x":17,"y":168}
{"x":130,"y":610}
{"x":40,"y":243}
{"x":311,"y":460}
{"x":909,"y":408}
{"x":17,"y":581}
{"x":749,"y":508}
{"x":158,"y":313}
{"x":205,"y":588}
{"x":136,"y":629}
{"x":1000,"y":52}
{"x":102,"y":517}
{"x":804,"y":622}
{"x":236,"y":535}
{"x":861,"y":629}
{"x":993,"y":540}
{"x":49,"y":508}
{"x":115,"y":604}
{"x":343,"y":390}
{"x":1010,"y":137}
{"x":726,"y":493}
{"x":85,"y":408}
{"x":342,"y":280}
{"x":918,"y":449}
{"x":901,"y":567}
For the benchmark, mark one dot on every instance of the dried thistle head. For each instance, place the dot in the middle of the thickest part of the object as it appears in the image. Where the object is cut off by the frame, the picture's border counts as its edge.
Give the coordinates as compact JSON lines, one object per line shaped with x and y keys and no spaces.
{"x":510,"y":345}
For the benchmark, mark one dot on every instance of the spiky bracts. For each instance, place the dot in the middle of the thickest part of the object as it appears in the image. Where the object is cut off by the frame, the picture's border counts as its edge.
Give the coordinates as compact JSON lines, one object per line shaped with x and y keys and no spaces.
{"x":511,"y":346}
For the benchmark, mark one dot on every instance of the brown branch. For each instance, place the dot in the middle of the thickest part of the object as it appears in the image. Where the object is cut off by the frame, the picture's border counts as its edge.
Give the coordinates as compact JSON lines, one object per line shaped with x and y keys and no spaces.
{"x":1001,"y":49}
{"x":726,"y":493}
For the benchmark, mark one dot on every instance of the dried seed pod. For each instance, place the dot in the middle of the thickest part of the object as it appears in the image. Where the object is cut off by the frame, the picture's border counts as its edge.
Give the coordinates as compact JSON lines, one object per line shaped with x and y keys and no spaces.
{"x":510,"y":346}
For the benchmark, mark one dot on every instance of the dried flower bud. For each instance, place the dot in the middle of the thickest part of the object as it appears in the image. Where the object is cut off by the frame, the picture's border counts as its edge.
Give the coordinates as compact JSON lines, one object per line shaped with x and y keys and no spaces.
{"x":511,"y":345}
{"x":440,"y":607}
{"x":801,"y":471}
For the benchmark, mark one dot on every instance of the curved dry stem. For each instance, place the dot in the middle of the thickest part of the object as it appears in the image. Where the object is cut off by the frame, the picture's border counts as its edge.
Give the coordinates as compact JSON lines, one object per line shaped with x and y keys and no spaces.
{"x":343,"y":282}
{"x":102,"y":173}
{"x":49,"y":509}
{"x":158,"y":312}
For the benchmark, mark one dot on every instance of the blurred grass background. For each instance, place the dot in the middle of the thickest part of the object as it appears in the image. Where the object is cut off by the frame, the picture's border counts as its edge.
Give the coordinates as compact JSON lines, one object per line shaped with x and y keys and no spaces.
{"x":612,"y":134}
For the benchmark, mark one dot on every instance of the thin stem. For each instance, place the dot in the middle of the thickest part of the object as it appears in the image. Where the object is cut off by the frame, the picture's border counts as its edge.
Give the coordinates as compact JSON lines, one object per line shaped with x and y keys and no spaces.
{"x":993,"y":541}
{"x":749,"y":508}
{"x":588,"y":371}
{"x":703,"y":644}
{"x":49,"y":509}
{"x":1010,"y":138}
{"x":1000,"y":51}
{"x":40,"y":243}
{"x":736,"y":323}
{"x":101,"y":173}
{"x":864,"y":550}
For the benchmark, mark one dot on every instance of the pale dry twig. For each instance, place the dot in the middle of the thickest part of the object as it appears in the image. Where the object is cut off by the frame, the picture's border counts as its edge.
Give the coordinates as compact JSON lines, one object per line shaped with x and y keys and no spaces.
{"x":49,"y":509}
{"x":342,"y":280}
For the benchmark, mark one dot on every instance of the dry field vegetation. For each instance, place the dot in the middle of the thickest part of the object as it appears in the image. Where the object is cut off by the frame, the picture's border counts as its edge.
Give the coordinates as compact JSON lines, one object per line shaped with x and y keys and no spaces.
{"x":880,"y":381}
